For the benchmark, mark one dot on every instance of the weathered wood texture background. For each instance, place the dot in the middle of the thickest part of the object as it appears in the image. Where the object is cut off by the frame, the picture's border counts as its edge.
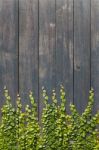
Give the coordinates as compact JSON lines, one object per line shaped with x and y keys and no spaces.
{"x":49,"y":42}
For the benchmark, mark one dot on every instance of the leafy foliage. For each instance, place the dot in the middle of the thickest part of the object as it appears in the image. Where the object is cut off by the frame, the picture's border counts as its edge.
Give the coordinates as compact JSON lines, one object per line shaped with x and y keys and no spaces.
{"x":57,"y":130}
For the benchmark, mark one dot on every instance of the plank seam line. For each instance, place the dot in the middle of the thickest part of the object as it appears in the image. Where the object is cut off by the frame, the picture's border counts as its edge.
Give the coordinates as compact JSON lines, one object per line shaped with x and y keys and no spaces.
{"x":73,"y":51}
{"x":38,"y":62}
{"x":90,"y":48}
{"x":18,"y":46}
{"x":55,"y":45}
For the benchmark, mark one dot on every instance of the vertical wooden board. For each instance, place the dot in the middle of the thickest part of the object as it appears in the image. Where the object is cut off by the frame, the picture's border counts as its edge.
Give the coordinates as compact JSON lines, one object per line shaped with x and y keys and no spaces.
{"x":81,"y":53}
{"x":46,"y":46}
{"x":28,"y":49}
{"x":64,"y":47}
{"x":95,"y":50}
{"x":8,"y":47}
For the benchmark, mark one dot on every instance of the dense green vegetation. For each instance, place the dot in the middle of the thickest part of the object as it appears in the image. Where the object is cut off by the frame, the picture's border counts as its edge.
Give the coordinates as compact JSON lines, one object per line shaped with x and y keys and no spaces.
{"x":57,"y":130}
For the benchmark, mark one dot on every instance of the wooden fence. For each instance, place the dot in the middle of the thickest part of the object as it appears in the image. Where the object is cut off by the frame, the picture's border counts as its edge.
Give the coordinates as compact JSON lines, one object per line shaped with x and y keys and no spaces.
{"x":49,"y":42}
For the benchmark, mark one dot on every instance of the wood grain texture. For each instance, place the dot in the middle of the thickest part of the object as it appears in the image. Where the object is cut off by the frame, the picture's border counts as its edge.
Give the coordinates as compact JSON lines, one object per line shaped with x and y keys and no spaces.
{"x":46,"y":46}
{"x":8,"y":47}
{"x":28,"y":49}
{"x":64,"y":47}
{"x":49,"y":42}
{"x":81,"y":53}
{"x":95,"y":50}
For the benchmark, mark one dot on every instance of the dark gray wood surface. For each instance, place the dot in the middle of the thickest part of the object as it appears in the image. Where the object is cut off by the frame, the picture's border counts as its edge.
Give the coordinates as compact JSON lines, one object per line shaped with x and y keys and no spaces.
{"x":64,"y":47}
{"x":47,"y":49}
{"x":48,"y":43}
{"x":81,"y":52}
{"x":8,"y":47}
{"x":28,"y":49}
{"x":95,"y":50}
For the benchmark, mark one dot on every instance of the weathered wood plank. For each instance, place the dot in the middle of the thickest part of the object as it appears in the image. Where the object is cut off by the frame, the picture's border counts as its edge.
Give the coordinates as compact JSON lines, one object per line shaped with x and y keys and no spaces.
{"x":46,"y":46}
{"x":28,"y":49}
{"x":81,"y":53}
{"x":8,"y":47}
{"x":95,"y":50}
{"x":64,"y":47}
